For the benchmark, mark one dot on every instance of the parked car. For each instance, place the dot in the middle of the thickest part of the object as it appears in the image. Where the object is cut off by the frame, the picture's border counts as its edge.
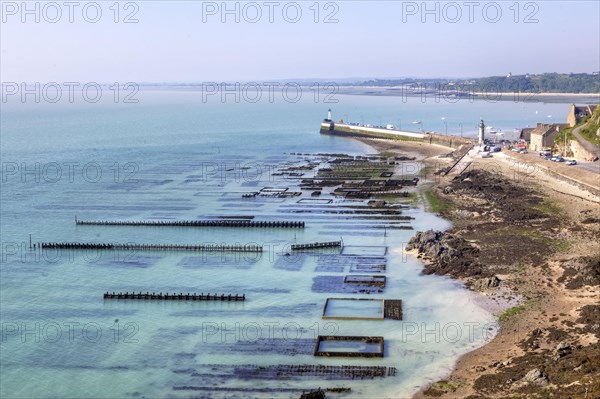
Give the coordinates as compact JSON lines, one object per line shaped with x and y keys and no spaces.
{"x":523,"y":151}
{"x":571,"y":162}
{"x":486,"y":154}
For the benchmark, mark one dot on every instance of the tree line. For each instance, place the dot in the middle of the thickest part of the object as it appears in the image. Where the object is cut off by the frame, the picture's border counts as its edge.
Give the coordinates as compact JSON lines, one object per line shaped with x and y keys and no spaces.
{"x":542,"y":83}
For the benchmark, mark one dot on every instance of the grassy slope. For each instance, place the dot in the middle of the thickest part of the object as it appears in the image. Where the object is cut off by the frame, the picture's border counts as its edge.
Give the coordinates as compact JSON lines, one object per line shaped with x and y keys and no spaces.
{"x":589,"y":132}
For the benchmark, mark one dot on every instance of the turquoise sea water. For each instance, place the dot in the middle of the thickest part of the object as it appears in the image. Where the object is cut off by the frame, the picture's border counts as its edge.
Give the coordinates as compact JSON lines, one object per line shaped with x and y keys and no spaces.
{"x":172,"y":156}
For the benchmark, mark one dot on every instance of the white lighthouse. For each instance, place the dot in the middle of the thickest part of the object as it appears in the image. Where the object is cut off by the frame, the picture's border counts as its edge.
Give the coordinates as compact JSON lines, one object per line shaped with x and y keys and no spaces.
{"x":481,"y":132}
{"x":329,"y":114}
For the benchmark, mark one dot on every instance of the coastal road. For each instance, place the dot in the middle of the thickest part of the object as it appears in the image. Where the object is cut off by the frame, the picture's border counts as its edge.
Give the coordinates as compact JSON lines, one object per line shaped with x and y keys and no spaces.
{"x":534,"y":157}
{"x":585,"y":172}
{"x":589,"y":166}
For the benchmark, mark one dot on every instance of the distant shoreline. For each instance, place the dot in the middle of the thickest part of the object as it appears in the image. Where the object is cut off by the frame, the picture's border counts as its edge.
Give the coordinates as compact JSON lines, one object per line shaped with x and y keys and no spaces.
{"x":331,"y":89}
{"x":397,"y":91}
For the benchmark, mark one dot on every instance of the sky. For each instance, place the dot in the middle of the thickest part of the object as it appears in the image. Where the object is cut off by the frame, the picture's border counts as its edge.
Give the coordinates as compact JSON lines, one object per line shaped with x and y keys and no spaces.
{"x":200,"y":41}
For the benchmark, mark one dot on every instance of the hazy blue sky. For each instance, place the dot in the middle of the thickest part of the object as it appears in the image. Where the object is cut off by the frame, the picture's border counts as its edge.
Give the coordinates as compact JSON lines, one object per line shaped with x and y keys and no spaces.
{"x":176,"y":42}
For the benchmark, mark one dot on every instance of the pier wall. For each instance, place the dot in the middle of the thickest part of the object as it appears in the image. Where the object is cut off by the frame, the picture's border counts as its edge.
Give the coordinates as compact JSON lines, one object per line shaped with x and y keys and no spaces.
{"x":338,"y":129}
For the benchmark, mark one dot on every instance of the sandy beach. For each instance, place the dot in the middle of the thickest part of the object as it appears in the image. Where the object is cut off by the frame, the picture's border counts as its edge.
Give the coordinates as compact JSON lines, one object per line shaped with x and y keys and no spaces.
{"x":527,"y":246}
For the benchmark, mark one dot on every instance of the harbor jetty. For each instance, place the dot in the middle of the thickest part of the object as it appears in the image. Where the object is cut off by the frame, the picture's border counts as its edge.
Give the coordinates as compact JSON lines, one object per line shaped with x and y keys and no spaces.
{"x":151,"y":247}
{"x":174,"y":297}
{"x":328,"y":126}
{"x":196,"y":223}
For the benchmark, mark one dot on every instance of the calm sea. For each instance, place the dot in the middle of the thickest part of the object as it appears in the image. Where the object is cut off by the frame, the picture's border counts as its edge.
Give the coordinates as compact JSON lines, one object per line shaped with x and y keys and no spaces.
{"x":173,"y":156}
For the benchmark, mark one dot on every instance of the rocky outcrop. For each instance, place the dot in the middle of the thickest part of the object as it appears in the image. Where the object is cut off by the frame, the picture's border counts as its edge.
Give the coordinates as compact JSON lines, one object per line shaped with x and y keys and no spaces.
{"x":446,"y":254}
{"x":537,"y":377}
{"x":581,"y":271}
{"x":486,"y":283}
{"x":497,"y":196}
{"x":562,"y":349}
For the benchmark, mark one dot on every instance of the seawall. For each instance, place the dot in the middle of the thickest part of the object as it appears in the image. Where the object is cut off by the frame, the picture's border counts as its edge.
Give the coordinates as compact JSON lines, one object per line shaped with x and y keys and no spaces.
{"x":580,"y":153}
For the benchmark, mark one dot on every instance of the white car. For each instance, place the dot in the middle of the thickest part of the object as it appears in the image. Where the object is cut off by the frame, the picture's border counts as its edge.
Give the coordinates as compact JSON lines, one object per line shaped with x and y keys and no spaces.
{"x":571,"y":162}
{"x":486,"y":154}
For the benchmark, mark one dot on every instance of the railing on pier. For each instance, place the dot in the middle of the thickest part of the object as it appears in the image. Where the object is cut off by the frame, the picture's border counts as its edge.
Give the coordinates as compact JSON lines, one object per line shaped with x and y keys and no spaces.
{"x":463,"y":153}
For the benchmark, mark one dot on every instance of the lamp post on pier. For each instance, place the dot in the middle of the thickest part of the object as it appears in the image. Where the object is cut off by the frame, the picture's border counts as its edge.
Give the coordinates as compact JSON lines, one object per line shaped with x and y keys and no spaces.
{"x":445,"y":123}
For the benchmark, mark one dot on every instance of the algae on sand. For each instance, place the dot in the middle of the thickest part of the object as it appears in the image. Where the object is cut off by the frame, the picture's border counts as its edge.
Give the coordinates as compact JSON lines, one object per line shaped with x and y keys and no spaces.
{"x":436,"y":204}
